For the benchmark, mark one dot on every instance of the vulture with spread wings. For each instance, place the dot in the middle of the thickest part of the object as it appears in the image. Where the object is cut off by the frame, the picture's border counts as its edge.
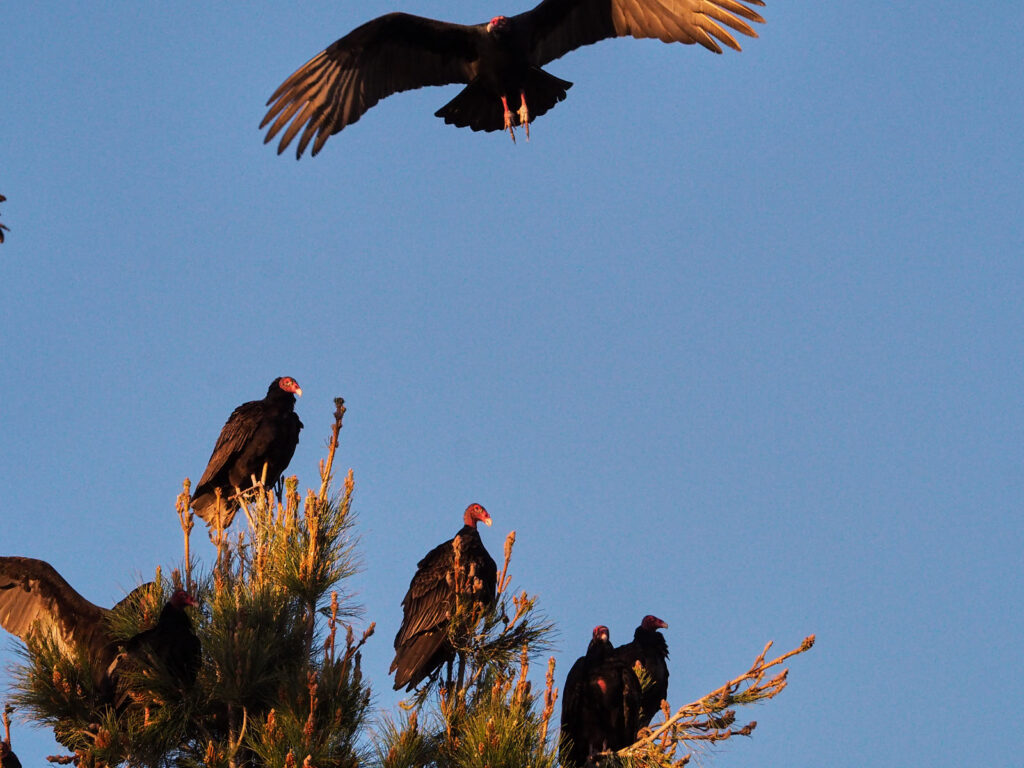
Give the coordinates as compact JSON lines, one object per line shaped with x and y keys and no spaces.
{"x":36,"y":602}
{"x":499,"y":62}
{"x":422,"y":644}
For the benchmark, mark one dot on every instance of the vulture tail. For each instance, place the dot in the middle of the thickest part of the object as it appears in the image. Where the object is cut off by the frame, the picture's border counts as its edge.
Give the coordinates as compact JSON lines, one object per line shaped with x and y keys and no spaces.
{"x":478,"y":107}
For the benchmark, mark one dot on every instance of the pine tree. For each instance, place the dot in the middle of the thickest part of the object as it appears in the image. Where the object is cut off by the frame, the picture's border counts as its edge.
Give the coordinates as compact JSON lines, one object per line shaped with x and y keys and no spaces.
{"x":281,"y":683}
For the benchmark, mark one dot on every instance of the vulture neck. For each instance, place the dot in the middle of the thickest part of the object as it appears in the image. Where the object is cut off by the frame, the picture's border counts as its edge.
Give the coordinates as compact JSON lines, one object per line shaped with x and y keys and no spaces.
{"x":651,"y":639}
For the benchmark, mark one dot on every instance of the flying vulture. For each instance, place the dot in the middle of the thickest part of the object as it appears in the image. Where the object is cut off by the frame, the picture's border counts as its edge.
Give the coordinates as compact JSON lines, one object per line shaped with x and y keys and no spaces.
{"x":650,"y":649}
{"x":600,"y":703}
{"x":172,"y":643}
{"x":36,"y":601}
{"x":258,"y":432}
{"x":499,"y":62}
{"x":2,"y":229}
{"x":7,"y":758}
{"x":422,"y":644}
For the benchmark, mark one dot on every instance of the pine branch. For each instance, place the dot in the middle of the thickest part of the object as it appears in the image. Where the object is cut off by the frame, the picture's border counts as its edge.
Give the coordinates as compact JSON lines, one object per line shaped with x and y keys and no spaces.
{"x":709,"y":718}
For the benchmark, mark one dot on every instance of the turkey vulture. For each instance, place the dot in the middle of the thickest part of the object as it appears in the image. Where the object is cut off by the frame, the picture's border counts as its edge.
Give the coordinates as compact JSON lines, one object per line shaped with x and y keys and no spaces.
{"x":422,"y":644}
{"x":2,"y":229}
{"x":650,"y":649}
{"x":600,"y":703}
{"x":172,"y":642}
{"x":499,"y":61}
{"x":7,"y":758}
{"x":258,"y":432}
{"x":36,"y":601}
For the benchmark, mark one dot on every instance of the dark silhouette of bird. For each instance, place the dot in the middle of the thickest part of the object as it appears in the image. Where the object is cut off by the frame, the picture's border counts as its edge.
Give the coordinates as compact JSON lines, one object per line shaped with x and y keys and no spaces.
{"x":7,"y":757}
{"x":422,"y":644}
{"x":499,"y":62}
{"x":2,"y":230}
{"x":171,"y":643}
{"x":600,"y":703}
{"x":651,"y":651}
{"x":36,"y":603}
{"x":258,"y":433}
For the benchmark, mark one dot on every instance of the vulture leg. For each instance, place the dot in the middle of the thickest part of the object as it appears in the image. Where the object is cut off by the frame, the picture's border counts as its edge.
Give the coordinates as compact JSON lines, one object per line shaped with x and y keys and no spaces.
{"x":508,"y":118}
{"x":524,"y":114}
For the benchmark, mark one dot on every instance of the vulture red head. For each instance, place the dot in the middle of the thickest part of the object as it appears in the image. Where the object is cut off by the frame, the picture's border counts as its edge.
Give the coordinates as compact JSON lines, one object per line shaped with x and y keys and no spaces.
{"x":499,"y":23}
{"x":476,"y":513}
{"x":600,"y":633}
{"x":651,"y":623}
{"x":288,"y":384}
{"x":181,"y":598}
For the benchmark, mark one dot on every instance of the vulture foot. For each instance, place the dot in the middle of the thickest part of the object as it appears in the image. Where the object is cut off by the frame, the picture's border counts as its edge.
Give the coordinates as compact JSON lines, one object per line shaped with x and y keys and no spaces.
{"x":508,"y":118}
{"x":524,"y":114}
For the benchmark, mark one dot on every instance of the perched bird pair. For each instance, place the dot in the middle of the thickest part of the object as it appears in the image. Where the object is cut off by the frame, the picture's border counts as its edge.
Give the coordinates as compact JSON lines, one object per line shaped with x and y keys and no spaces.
{"x":36,"y":602}
{"x":604,"y":703}
{"x":499,"y":62}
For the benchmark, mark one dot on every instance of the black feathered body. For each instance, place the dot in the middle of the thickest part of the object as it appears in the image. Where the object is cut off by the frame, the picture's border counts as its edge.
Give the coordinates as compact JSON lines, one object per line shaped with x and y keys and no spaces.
{"x":172,"y":643}
{"x":422,"y":645}
{"x":258,"y":432}
{"x":650,"y":649}
{"x":600,"y":706}
{"x":7,"y":757}
{"x":503,"y":69}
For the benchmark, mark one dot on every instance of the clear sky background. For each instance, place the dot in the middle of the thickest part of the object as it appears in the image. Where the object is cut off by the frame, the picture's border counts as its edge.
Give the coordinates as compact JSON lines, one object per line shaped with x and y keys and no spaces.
{"x":735,"y":340}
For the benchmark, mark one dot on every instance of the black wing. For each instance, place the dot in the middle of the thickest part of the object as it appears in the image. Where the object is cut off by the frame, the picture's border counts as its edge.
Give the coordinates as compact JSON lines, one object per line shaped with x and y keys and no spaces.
{"x":35,"y":599}
{"x":559,"y":26}
{"x":392,"y":53}
{"x":236,"y":433}
{"x":427,"y":603}
{"x":2,"y":227}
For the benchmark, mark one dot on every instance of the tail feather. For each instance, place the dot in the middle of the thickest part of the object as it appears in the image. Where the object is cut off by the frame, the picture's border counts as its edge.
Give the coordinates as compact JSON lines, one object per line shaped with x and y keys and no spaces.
{"x":478,"y":107}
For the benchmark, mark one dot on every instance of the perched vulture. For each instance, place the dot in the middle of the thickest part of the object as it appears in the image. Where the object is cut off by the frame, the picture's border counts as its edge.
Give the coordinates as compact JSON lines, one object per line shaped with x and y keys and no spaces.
{"x":2,"y":229}
{"x":35,"y":601}
{"x":258,"y":432}
{"x":7,"y":757}
{"x":172,"y":643}
{"x":650,"y":649}
{"x":600,"y":703}
{"x":499,"y":62}
{"x":422,"y":645}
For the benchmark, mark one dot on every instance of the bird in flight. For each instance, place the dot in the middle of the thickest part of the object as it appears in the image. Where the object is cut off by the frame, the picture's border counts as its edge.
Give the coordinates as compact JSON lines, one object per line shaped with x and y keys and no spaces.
{"x":499,"y":62}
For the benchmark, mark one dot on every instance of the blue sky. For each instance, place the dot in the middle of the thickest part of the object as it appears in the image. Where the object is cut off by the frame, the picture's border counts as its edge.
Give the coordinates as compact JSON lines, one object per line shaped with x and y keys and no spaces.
{"x":735,"y":340}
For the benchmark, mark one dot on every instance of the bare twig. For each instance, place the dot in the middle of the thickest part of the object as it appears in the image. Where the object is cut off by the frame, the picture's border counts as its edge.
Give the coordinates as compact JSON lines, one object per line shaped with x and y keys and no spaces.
{"x":708,"y":718}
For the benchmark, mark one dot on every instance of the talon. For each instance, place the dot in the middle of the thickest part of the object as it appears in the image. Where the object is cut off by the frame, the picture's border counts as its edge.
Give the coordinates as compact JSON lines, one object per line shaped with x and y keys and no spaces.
{"x":508,"y":119}
{"x":524,"y":114}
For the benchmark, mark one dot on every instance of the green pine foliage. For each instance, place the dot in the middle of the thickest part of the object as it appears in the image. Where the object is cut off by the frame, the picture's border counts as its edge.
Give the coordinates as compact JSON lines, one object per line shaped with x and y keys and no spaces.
{"x":281,"y":683}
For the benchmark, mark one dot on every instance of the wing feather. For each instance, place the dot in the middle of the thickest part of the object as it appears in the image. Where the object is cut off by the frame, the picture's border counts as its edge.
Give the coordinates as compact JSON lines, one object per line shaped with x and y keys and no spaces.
{"x":560,"y":26}
{"x":392,"y":53}
{"x":34,"y":599}
{"x":237,"y":431}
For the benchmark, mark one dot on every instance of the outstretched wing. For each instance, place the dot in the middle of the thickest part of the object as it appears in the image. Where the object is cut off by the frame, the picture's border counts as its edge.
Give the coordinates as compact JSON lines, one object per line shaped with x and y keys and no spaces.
{"x":34,"y":599}
{"x":392,"y":53}
{"x":559,"y":26}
